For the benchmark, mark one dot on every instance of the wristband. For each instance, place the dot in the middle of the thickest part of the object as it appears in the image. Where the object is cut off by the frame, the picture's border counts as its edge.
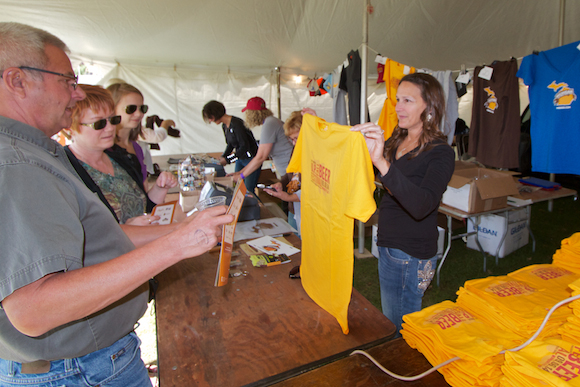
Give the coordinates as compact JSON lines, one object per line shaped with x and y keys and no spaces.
{"x":242,"y":176}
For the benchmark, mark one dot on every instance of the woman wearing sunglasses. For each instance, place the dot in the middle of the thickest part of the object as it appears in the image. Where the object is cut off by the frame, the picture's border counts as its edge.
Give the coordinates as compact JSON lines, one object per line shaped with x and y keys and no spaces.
{"x":105,"y":167}
{"x":129,"y":105}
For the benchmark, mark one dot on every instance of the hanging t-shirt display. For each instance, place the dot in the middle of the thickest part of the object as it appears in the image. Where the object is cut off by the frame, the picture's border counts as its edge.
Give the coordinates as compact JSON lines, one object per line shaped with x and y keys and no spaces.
{"x":351,"y":83}
{"x":495,"y":121}
{"x":553,"y":78}
{"x":447,"y":126}
{"x":338,"y":97}
{"x":337,"y":187}
{"x":392,"y":75}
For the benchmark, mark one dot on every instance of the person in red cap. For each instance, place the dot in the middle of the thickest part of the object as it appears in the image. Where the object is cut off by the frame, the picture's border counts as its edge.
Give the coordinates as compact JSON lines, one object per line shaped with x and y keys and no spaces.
{"x":273,"y":141}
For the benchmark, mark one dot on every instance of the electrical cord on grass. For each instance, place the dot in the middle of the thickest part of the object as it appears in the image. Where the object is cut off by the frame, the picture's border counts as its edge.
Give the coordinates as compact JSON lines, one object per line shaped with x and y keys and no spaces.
{"x":435,"y":368}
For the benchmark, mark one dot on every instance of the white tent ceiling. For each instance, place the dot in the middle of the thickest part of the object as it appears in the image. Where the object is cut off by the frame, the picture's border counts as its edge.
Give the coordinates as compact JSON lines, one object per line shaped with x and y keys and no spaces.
{"x":150,"y":39}
{"x":304,"y":36}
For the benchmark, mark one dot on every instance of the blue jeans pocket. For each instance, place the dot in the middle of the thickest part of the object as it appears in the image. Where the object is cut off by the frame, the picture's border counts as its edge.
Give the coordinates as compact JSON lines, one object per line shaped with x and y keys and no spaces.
{"x":111,"y":361}
{"x":425,"y":273}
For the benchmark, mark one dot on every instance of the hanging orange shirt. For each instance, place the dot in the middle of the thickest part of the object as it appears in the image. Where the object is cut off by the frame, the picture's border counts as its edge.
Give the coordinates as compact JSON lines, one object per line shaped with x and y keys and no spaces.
{"x":337,"y":187}
{"x":392,"y":75}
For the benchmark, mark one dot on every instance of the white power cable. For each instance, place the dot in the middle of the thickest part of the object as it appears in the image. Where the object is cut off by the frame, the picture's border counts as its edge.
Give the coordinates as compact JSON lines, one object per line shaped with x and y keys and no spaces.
{"x":435,"y":368}
{"x":401,"y":377}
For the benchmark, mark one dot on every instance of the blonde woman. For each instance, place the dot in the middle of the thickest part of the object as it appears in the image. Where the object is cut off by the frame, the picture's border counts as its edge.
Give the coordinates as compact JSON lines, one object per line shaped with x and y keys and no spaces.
{"x":288,"y":189}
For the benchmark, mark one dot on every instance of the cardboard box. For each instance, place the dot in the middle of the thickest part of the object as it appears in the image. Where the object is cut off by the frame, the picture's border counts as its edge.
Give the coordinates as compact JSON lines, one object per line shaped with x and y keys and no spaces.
{"x":479,"y":189}
{"x":491,"y":230}
{"x":459,"y":165}
{"x":440,"y":241}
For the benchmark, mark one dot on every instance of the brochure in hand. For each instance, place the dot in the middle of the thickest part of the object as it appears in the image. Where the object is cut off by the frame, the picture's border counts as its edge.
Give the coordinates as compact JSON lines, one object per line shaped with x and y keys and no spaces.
{"x":228,"y":231}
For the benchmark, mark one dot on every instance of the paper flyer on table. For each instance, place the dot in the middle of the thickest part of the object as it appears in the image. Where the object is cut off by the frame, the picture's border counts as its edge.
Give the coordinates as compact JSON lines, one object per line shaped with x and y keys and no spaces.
{"x":258,"y":228}
{"x":228,"y":231}
{"x":165,"y":211}
{"x":269,"y":245}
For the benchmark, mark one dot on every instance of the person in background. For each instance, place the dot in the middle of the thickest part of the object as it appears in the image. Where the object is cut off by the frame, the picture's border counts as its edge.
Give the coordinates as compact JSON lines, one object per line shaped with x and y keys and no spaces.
{"x":414,"y":164}
{"x":129,"y":105}
{"x":107,"y":169}
{"x":288,"y":188}
{"x":239,"y":139}
{"x":150,"y":136}
{"x":73,"y":283}
{"x":273,"y":141}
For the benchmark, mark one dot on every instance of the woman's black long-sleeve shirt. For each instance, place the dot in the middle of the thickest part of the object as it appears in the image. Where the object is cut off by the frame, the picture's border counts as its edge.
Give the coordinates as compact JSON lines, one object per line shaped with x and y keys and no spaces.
{"x":240,"y":138}
{"x":408,"y":214}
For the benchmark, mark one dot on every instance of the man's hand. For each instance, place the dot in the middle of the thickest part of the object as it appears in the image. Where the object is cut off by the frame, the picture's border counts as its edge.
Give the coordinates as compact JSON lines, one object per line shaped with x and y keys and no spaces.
{"x":235,"y":176}
{"x":200,"y":232}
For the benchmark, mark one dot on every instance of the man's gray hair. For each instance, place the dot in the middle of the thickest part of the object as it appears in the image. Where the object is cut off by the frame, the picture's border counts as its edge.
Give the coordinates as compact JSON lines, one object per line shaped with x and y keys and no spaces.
{"x":23,"y":45}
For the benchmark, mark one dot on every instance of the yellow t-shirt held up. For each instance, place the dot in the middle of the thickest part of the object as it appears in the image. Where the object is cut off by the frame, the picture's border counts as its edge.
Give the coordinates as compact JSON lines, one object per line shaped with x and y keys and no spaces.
{"x":337,"y":188}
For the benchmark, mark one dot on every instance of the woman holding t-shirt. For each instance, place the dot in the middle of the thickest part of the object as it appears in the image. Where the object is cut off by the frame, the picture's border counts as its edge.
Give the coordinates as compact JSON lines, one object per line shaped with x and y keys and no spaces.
{"x":415,"y":164}
{"x":273,"y":141}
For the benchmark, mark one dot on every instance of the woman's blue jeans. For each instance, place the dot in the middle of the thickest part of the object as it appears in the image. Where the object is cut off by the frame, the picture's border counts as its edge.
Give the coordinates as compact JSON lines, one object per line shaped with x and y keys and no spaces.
{"x":403,"y":281}
{"x":252,"y":180}
{"x":118,"y":365}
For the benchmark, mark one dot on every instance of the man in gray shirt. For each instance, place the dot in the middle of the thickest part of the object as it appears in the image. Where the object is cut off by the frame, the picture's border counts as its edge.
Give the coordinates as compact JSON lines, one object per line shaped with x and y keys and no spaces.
{"x":72,"y":284}
{"x":273,"y":141}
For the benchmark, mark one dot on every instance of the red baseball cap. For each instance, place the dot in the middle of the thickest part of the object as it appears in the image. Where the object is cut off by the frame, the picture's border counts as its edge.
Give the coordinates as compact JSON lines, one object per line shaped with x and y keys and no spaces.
{"x":255,"y":103}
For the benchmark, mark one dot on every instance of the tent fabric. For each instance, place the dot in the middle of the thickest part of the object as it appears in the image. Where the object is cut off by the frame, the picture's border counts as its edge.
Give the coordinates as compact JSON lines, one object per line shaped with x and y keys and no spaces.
{"x":182,"y":53}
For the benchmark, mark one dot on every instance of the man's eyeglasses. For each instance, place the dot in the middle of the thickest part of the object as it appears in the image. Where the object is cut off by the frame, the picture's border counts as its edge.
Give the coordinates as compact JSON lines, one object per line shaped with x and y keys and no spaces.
{"x":71,"y":77}
{"x":102,"y":123}
{"x":130,"y":109}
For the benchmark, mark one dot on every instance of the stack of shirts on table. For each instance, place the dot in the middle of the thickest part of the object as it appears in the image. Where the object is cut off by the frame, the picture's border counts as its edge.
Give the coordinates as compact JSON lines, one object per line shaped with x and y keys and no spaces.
{"x":551,"y":362}
{"x":568,"y":256}
{"x":519,"y":301}
{"x":570,"y":330}
{"x":445,"y":330}
{"x":495,"y":314}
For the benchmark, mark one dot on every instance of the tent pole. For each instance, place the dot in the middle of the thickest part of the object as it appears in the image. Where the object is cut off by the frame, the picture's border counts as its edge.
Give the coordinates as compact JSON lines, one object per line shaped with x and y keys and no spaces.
{"x":560,"y":43}
{"x":278,"y":92}
{"x":363,"y":114}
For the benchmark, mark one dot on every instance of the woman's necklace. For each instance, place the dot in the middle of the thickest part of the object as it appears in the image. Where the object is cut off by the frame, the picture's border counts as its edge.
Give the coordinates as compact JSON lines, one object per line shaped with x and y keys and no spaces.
{"x":401,"y":151}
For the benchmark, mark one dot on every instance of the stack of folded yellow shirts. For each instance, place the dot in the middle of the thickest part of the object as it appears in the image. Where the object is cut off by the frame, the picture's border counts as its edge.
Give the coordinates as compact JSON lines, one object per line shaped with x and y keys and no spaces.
{"x":552,"y":362}
{"x":445,"y":330}
{"x":575,"y":305}
{"x":570,"y":330}
{"x":518,"y":306}
{"x":547,"y":276}
{"x":568,"y":256}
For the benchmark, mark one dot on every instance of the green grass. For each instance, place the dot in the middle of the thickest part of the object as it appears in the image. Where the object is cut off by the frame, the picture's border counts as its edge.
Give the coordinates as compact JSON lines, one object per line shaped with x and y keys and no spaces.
{"x":462,"y":264}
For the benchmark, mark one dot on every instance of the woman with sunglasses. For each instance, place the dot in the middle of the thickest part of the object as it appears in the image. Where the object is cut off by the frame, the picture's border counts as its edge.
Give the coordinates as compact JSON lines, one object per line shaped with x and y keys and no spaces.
{"x":129,"y":105}
{"x":105,"y":167}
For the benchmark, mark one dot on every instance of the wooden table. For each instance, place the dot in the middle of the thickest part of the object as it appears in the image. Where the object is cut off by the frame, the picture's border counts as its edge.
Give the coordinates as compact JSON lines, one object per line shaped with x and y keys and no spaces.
{"x":357,"y":370}
{"x":260,"y":328}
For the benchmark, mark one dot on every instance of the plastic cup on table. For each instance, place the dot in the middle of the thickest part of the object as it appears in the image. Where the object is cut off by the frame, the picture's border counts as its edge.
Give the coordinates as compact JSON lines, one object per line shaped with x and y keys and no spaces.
{"x":211,"y":202}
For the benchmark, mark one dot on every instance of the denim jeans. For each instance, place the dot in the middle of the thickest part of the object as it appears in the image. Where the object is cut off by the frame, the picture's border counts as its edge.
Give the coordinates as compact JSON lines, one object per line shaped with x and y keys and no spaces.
{"x":118,"y":365}
{"x":292,"y":222}
{"x":403,"y":281}
{"x":252,"y":180}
